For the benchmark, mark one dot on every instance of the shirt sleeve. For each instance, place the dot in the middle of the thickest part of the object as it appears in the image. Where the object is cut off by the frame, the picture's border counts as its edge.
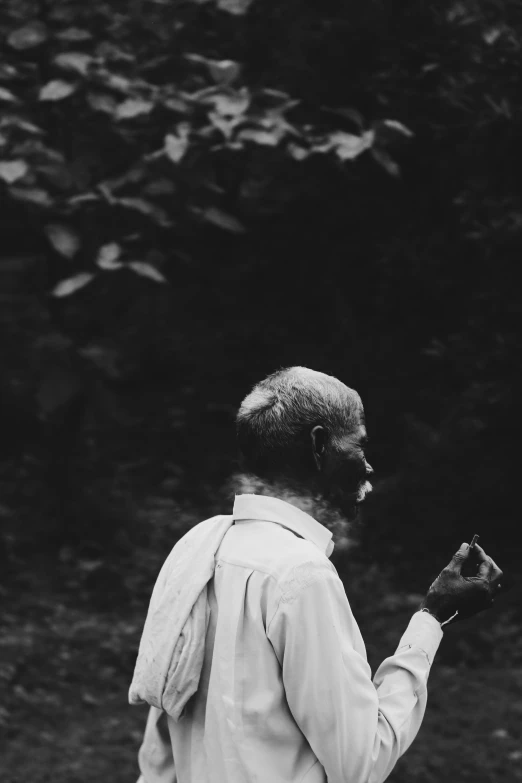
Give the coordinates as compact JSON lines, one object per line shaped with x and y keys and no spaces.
{"x":155,"y":757}
{"x":357,"y":728}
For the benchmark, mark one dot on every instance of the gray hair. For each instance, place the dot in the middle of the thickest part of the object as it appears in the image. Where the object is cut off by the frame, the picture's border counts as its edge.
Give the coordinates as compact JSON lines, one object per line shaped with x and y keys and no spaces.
{"x":275,"y":419}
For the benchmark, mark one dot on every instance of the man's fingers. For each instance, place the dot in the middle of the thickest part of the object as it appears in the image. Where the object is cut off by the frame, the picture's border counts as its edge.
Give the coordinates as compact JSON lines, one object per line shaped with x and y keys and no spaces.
{"x":488,"y":569}
{"x":496,"y":574}
{"x":484,"y":561}
{"x":459,"y":558}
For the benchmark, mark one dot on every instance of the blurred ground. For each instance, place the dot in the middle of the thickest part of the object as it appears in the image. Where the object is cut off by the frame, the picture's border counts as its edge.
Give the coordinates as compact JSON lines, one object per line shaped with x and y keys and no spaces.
{"x":69,"y":632}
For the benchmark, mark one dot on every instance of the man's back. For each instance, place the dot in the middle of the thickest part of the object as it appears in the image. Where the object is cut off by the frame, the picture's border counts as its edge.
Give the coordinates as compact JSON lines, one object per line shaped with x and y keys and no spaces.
{"x":238,"y":726}
{"x":286,"y":694}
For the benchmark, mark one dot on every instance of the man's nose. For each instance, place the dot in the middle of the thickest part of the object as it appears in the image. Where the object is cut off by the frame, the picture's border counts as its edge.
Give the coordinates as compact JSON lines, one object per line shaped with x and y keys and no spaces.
{"x":369,"y":469}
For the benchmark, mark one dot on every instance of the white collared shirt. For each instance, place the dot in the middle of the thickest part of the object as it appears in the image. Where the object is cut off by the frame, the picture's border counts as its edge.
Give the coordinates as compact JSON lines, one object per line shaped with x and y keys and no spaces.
{"x":286,"y":693}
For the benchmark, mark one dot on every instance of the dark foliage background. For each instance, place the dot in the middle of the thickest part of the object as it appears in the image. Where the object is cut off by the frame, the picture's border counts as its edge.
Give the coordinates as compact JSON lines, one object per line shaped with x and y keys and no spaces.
{"x":193,"y":194}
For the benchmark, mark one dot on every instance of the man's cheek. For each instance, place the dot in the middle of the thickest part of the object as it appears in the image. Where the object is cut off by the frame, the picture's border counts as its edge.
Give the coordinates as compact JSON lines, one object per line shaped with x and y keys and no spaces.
{"x":353,"y":472}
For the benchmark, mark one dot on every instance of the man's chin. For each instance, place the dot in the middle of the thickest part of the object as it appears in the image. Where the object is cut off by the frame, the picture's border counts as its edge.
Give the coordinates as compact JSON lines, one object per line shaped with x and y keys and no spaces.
{"x":348,"y":503}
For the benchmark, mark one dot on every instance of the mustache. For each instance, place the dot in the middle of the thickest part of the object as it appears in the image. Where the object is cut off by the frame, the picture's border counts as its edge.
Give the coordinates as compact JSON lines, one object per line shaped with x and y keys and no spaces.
{"x":363,"y":490}
{"x":356,"y":496}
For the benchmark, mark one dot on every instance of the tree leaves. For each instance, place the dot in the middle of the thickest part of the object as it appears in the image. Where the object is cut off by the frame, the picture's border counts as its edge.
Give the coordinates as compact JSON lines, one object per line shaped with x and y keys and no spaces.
{"x":73,"y":35}
{"x":492,"y":35}
{"x":160,"y":187}
{"x":36,"y":196}
{"x":74,"y":61}
{"x":13,"y":170}
{"x":234,"y":7}
{"x":99,"y":101}
{"x":222,"y":219}
{"x":174,"y":103}
{"x":71,"y":284}
{"x":146,"y":208}
{"x":133,"y":107}
{"x":144,"y":269}
{"x":399,"y":127}
{"x":36,"y":150}
{"x":14,"y":121}
{"x":224,"y":71}
{"x":177,"y":145}
{"x":348,"y":146}
{"x":108,"y":257}
{"x":270,"y":138}
{"x":226,"y":125}
{"x":64,"y":240}
{"x":107,"y":260}
{"x":226,"y":116}
{"x":386,"y":161}
{"x":297,"y":152}
{"x":230,"y":103}
{"x":7,"y":95}
{"x":389,"y":132}
{"x":56,"y":90}
{"x":28,"y":37}
{"x":8,"y":71}
{"x":115,"y":81}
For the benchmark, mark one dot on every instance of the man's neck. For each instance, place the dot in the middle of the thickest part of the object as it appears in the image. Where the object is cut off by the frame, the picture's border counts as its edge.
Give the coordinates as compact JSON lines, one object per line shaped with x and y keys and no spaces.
{"x":302,"y":498}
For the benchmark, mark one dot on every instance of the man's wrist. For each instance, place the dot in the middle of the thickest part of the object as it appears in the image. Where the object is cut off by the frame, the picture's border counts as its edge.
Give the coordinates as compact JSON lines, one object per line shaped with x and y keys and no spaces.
{"x":430,"y":611}
{"x":442,"y":620}
{"x":439,"y":612}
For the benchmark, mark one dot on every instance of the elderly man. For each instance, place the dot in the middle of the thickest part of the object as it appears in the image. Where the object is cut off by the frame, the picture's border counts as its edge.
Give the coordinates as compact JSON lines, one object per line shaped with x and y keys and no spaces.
{"x":251,"y":658}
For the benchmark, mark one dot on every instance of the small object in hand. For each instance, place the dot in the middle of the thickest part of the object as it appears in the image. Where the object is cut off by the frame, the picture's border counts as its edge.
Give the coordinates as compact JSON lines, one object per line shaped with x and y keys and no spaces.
{"x":473,"y":541}
{"x":468,"y":568}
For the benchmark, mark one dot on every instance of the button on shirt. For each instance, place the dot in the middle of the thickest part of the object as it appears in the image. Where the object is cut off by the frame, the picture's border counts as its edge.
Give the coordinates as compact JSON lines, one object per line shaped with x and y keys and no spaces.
{"x":286,"y":693}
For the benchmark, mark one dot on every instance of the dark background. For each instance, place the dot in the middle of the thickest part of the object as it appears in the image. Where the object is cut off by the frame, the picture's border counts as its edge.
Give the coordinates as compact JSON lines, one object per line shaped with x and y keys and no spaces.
{"x":266,"y":235}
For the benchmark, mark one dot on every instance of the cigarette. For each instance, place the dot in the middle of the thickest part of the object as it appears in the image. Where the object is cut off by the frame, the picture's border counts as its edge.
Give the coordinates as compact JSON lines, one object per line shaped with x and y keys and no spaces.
{"x":473,"y":541}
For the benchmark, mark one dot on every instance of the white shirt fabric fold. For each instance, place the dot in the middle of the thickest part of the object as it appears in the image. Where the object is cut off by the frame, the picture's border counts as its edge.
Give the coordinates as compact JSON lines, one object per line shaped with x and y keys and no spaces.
{"x":286,"y":694}
{"x":172,"y":646}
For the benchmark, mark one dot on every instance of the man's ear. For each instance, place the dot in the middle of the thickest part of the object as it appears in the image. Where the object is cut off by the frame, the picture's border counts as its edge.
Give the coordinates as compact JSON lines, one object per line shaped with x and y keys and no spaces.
{"x":319,"y":439}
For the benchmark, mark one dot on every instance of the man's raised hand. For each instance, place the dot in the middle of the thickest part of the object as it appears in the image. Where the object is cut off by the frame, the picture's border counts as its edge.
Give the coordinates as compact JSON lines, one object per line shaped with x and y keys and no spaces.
{"x":451,"y":592}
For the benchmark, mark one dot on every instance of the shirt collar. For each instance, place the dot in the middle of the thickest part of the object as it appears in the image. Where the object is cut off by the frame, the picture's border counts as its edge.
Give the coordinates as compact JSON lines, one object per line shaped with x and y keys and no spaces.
{"x":271,"y":509}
